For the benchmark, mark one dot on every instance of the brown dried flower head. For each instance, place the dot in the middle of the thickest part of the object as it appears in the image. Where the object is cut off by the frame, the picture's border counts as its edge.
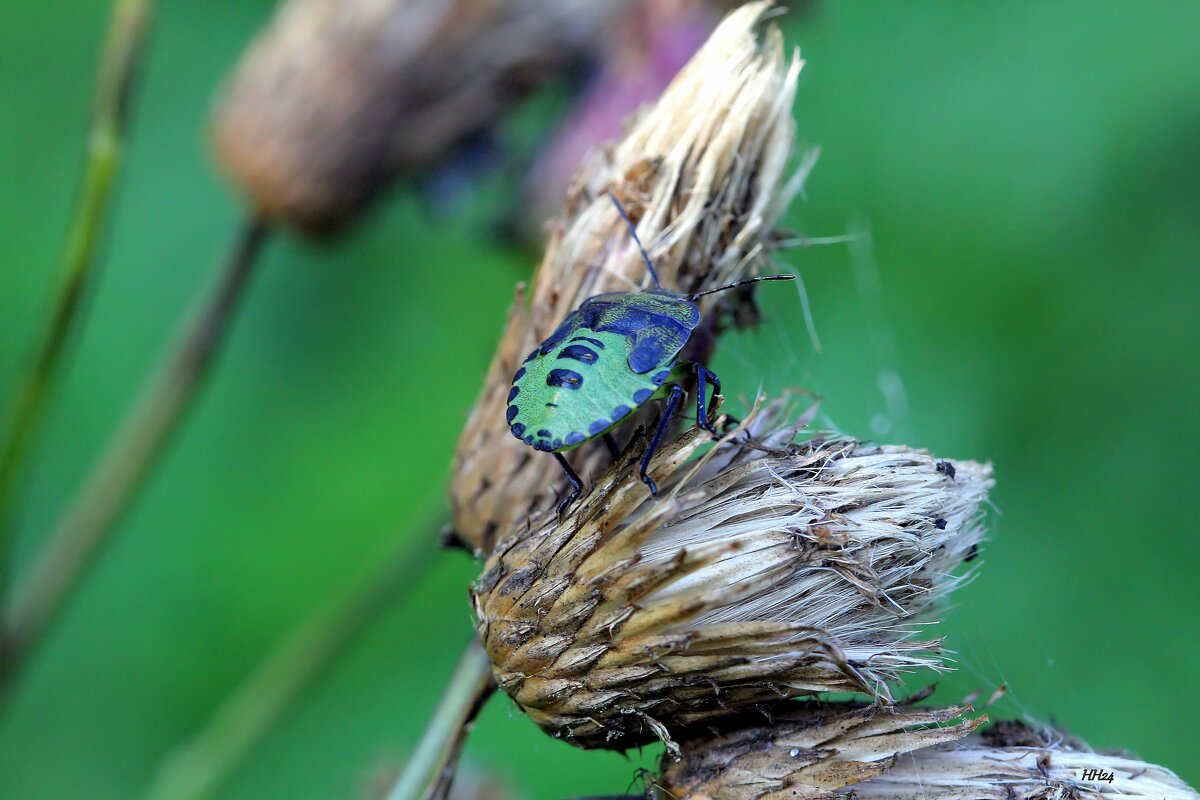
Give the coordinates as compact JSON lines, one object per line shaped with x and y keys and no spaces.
{"x":807,"y":751}
{"x":705,"y":175}
{"x":1013,"y":761}
{"x":336,"y":97}
{"x":765,"y":568}
{"x":813,"y":751}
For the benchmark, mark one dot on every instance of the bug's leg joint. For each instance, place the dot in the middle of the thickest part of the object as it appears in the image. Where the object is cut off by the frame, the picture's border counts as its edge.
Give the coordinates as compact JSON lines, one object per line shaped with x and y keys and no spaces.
{"x":706,"y":376}
{"x":576,"y":484}
{"x":673,"y":400}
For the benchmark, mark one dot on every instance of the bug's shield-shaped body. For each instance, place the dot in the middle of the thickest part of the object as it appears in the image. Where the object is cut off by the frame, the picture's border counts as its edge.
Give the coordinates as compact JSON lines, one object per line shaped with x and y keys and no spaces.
{"x":606,"y":358}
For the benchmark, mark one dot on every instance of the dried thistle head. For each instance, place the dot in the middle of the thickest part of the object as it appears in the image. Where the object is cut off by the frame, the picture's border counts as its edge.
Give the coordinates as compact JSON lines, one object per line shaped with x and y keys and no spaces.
{"x":806,"y":751}
{"x":1013,"y":761}
{"x":704,"y":173}
{"x":814,"y":751}
{"x":765,"y":568}
{"x":336,"y":97}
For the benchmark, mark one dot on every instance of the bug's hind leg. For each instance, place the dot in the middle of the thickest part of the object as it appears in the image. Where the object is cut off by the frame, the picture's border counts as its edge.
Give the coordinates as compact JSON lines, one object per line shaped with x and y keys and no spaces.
{"x":704,"y":375}
{"x":576,"y":484}
{"x":673,"y":400}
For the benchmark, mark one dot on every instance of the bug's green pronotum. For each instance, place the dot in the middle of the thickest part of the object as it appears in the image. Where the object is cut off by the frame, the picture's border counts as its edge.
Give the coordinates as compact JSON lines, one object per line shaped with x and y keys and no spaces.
{"x":610,"y":356}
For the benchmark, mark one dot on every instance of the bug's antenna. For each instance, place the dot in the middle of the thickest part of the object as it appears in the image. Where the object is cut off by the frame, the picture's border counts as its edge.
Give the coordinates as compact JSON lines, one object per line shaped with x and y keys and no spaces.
{"x":633,"y":230}
{"x":759,"y":279}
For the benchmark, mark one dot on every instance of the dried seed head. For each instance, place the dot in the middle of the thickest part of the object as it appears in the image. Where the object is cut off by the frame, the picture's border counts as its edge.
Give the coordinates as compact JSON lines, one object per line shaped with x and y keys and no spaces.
{"x":765,"y":568}
{"x":704,"y":174}
{"x":338,"y":96}
{"x":818,"y":751}
{"x":807,"y":751}
{"x":1040,"y":765}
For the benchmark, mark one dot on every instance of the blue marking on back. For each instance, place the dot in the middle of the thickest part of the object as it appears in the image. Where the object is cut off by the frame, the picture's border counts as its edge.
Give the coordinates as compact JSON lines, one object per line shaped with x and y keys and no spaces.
{"x":661,"y":377}
{"x":589,"y":340}
{"x":655,"y":337}
{"x":520,"y":374}
{"x":564,"y":329}
{"x":575,"y":437}
{"x":577,"y":352}
{"x":511,"y":413}
{"x":641,"y":396}
{"x":619,"y":412}
{"x":598,"y":427}
{"x":556,"y":444}
{"x":518,"y":430}
{"x":513,"y":392}
{"x":544,"y":433}
{"x":566,"y":378}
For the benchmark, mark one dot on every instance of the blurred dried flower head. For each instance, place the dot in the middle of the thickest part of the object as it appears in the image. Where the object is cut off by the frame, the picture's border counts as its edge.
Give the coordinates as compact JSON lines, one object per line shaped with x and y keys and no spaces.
{"x":336,"y":97}
{"x":641,"y":53}
{"x":806,"y":751}
{"x":766,"y":568}
{"x":705,"y":173}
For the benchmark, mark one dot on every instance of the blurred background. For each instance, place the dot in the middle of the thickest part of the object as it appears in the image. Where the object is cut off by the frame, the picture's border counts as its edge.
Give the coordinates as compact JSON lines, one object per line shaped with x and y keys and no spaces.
{"x":1025,"y":182}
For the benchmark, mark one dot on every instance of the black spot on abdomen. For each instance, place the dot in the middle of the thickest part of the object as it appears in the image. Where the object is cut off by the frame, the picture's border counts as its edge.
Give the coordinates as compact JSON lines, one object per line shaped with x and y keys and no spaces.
{"x":567,"y":378}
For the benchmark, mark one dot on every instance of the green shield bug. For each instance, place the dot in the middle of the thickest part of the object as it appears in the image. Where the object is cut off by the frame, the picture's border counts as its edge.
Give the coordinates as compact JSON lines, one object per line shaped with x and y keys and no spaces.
{"x":613,"y":354}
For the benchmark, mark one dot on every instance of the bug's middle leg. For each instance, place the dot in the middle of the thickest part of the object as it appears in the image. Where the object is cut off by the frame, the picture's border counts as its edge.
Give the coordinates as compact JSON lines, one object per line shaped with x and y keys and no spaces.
{"x":704,"y":375}
{"x":673,"y":400}
{"x":576,"y":484}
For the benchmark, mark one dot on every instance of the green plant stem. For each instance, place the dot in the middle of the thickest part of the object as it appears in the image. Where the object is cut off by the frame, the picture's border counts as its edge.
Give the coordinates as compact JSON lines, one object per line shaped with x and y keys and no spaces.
{"x":198,"y":767}
{"x":112,"y":483}
{"x":122,"y":52}
{"x":430,"y":771}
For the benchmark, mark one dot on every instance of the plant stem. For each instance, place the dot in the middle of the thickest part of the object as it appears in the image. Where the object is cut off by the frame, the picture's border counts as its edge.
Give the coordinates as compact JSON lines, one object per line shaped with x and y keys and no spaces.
{"x":430,"y":771}
{"x":123,"y":48}
{"x":199,"y":766}
{"x":112,"y":483}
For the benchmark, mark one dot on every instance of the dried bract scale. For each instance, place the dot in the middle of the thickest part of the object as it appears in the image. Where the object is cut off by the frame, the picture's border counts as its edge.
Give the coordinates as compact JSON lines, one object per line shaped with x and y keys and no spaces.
{"x":336,"y":97}
{"x":706,"y":173}
{"x":1039,"y":766}
{"x":765,"y":568}
{"x":807,"y":751}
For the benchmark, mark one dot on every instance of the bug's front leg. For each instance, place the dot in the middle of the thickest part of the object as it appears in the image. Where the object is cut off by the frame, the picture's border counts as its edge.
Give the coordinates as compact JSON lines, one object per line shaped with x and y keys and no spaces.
{"x":576,"y":484}
{"x":673,"y":400}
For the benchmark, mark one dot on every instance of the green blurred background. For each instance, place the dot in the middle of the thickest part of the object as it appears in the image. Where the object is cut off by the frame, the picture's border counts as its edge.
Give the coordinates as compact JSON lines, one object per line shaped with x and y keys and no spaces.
{"x":1030,"y":174}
